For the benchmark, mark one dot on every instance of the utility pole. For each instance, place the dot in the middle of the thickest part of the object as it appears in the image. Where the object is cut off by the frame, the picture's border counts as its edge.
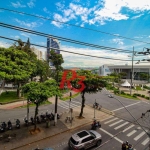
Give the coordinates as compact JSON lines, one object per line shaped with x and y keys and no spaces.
{"x":94,"y":109}
{"x":56,"y":100}
{"x":132,"y":74}
{"x":70,"y":109}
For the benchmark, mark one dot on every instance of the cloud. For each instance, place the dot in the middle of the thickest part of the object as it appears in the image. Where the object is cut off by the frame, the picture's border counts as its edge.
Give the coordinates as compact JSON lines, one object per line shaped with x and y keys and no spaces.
{"x":84,"y":61}
{"x":18,"y":5}
{"x":117,"y":41}
{"x":28,"y":35}
{"x":102,"y":12}
{"x":138,"y":16}
{"x":16,"y":36}
{"x":31,"y":3}
{"x":46,"y":11}
{"x":28,"y":24}
{"x":5,"y":44}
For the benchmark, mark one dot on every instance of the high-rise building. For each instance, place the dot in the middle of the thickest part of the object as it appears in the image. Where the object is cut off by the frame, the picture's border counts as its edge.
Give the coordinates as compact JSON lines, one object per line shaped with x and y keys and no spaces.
{"x":52,"y":44}
{"x":37,"y":52}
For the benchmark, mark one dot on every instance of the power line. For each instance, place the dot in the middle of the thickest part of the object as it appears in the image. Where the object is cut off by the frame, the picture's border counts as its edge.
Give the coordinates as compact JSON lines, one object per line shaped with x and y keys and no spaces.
{"x":61,"y":38}
{"x":61,"y":22}
{"x":65,"y":50}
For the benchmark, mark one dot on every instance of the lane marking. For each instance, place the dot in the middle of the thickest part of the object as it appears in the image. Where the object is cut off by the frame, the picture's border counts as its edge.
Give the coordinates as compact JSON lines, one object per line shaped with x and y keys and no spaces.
{"x":126,"y":106}
{"x":110,"y":121}
{"x":115,"y":123}
{"x":128,"y":128}
{"x":75,"y":102}
{"x":107,"y":118}
{"x":131,"y":133}
{"x":111,"y":135}
{"x":121,"y":125}
{"x":145,"y":141}
{"x":139,"y":136}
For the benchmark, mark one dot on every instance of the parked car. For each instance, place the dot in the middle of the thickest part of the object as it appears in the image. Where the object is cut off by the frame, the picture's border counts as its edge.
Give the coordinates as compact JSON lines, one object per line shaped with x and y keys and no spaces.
{"x":84,"y":140}
{"x":111,"y":96}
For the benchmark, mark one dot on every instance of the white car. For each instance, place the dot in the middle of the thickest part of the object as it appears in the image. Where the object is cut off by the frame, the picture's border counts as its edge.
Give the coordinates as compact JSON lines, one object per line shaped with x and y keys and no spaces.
{"x":111,"y":96}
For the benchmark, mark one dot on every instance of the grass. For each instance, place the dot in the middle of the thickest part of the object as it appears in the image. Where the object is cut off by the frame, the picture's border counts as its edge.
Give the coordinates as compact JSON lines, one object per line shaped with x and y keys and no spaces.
{"x":68,"y":97}
{"x":10,"y":96}
{"x":32,"y":104}
{"x":127,"y":96}
{"x":138,"y":88}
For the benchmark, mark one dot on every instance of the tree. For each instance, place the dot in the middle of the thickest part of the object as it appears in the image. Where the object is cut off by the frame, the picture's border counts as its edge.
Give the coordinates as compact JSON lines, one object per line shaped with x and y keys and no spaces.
{"x":57,"y":61}
{"x":43,"y":70}
{"x":93,"y":84}
{"x":38,"y":92}
{"x":15,"y":66}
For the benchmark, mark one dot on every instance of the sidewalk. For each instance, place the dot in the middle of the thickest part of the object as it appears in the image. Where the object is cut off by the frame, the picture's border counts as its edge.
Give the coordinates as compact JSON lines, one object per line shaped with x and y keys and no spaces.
{"x":24,"y":138}
{"x":22,"y":103}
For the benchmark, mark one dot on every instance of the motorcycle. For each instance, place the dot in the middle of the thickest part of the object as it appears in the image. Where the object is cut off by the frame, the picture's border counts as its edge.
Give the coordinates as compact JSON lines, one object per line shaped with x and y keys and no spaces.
{"x":95,"y":105}
{"x":32,"y":120}
{"x":17,"y":123}
{"x":9,"y":125}
{"x":43,"y":117}
{"x":48,"y":116}
{"x":3,"y":127}
{"x":95,"y":124}
{"x":26,"y":121}
{"x":38,"y":119}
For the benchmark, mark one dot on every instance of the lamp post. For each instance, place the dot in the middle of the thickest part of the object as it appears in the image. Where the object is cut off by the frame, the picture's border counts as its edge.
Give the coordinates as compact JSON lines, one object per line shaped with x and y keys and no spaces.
{"x":132,"y":72}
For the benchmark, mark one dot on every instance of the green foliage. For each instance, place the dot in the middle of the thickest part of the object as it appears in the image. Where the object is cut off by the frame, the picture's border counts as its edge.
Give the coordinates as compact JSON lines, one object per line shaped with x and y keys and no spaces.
{"x":142,"y":95}
{"x":116,"y":91}
{"x":122,"y":92}
{"x":38,"y":92}
{"x":146,"y":87}
{"x":15,"y":65}
{"x":8,"y":96}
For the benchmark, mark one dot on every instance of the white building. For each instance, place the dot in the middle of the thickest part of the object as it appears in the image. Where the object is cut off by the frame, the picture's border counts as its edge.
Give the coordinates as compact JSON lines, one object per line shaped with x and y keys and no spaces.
{"x":106,"y":69}
{"x":38,"y":53}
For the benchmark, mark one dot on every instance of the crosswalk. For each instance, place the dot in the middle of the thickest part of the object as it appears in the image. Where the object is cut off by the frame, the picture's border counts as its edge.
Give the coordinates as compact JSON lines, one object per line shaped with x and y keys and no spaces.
{"x":68,"y":104}
{"x":129,"y":130}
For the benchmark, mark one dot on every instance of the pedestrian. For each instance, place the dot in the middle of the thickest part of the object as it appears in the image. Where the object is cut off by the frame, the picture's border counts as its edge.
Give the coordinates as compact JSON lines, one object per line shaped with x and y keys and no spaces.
{"x":123,"y":146}
{"x":127,"y":145}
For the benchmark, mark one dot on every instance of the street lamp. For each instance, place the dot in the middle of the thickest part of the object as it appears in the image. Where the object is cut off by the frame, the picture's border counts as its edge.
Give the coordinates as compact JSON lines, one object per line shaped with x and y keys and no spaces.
{"x":133,"y":54}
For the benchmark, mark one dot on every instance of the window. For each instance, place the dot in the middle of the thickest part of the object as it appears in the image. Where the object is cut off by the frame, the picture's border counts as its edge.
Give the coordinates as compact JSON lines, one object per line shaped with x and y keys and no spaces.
{"x":88,"y":139}
{"x":73,"y":141}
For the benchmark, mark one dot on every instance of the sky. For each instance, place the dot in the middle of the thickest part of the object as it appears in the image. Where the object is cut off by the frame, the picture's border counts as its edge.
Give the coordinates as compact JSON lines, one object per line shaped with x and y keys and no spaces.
{"x":100,"y":22}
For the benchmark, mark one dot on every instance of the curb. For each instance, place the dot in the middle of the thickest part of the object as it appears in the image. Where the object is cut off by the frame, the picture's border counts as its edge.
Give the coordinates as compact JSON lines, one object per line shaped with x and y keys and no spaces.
{"x":51,"y":135}
{"x":104,"y":110}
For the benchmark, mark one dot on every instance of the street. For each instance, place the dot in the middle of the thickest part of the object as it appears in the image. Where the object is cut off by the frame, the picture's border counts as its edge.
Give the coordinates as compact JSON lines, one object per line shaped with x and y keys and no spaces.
{"x":121,"y":124}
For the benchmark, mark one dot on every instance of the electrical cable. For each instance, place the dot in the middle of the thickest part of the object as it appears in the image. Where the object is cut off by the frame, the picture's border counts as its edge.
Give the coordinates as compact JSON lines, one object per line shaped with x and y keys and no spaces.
{"x":119,"y":131}
{"x":45,"y":18}
{"x":61,"y":38}
{"x":67,"y":51}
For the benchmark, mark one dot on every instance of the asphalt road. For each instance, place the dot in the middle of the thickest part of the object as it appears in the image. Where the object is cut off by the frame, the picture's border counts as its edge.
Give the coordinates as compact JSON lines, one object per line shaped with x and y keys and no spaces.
{"x":123,"y":119}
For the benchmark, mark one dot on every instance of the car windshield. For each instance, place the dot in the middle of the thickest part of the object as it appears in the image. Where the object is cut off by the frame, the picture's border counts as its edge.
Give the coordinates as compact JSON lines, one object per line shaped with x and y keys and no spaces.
{"x":93,"y":134}
{"x":73,"y":141}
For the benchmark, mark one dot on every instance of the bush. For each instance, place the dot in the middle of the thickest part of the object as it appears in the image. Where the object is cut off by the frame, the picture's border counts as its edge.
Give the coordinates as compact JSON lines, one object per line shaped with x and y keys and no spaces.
{"x":116,"y":91}
{"x":147,"y":97}
{"x":142,"y":95}
{"x":122,"y":92}
{"x":134,"y":96}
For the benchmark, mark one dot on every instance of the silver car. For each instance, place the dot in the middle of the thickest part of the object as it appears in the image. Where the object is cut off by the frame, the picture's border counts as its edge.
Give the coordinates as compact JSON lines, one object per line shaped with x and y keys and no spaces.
{"x":84,"y":140}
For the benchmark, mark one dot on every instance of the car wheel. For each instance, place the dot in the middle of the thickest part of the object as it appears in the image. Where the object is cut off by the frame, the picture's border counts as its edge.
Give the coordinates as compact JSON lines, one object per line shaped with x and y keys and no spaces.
{"x":98,"y":143}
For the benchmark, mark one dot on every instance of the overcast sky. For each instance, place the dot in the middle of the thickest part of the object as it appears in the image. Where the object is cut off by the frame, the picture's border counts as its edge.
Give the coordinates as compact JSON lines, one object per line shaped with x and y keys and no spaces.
{"x":127,"y":18}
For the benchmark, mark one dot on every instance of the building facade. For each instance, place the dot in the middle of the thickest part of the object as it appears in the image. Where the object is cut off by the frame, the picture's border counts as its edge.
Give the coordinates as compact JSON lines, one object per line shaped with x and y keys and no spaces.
{"x":106,"y":69}
{"x":52,"y":44}
{"x":38,"y":53}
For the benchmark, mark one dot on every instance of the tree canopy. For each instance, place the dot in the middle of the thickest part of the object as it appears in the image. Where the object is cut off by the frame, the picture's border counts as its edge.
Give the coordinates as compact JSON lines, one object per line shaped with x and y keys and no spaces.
{"x":15,"y":65}
{"x":92,"y":82}
{"x":38,"y":92}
